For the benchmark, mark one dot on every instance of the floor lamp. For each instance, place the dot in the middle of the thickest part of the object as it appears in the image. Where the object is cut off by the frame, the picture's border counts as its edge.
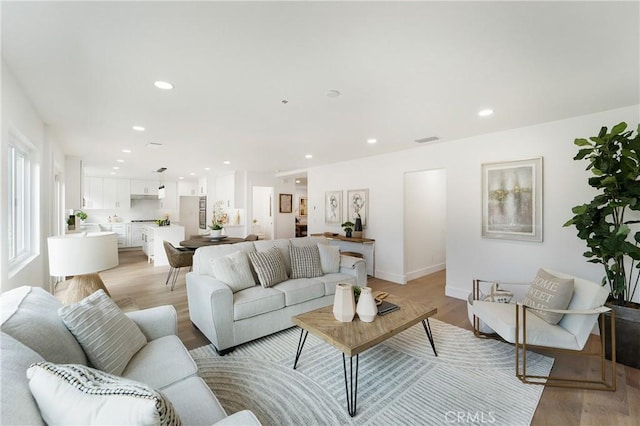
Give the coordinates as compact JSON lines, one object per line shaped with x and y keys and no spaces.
{"x":82,"y":255}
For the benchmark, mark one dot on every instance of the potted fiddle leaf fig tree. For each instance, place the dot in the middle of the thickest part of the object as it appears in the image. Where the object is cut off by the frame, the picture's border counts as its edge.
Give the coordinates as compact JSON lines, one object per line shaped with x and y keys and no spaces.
{"x":610,"y":226}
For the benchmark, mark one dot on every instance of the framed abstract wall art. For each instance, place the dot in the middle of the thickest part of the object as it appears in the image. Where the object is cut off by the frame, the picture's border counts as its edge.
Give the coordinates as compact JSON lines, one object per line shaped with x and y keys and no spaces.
{"x":286,"y":203}
{"x":333,"y":207}
{"x":512,"y":200}
{"x":358,"y":204}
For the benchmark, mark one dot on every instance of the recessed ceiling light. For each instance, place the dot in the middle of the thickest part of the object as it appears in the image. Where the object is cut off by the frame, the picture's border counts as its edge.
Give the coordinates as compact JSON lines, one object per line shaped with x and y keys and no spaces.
{"x":333,"y":93}
{"x":116,"y":168}
{"x":207,"y":168}
{"x":372,"y":141}
{"x":297,"y":180}
{"x":192,"y":174}
{"x":153,"y":145}
{"x":226,"y":162}
{"x":113,"y":173}
{"x":138,"y":128}
{"x":180,"y":177}
{"x":120,"y":161}
{"x":485,"y":112}
{"x":126,"y":151}
{"x":163,"y":85}
{"x":308,"y":156}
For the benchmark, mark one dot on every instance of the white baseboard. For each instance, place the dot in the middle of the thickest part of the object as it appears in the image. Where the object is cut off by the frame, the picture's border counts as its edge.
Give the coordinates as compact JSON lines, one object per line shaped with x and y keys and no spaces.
{"x":395,"y":278}
{"x":456,"y":292}
{"x":425,"y":271}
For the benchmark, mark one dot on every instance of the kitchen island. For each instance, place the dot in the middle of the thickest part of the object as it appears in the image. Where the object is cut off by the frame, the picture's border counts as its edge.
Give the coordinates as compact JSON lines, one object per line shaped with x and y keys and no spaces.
{"x":152,"y":241}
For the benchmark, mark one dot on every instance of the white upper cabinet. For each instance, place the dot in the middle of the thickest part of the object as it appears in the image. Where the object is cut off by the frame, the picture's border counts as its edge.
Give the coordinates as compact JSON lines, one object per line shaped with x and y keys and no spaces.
{"x":92,"y":194}
{"x":202,"y":186}
{"x":116,"y":193}
{"x":170,"y":200}
{"x":144,"y":187}
{"x":188,"y":188}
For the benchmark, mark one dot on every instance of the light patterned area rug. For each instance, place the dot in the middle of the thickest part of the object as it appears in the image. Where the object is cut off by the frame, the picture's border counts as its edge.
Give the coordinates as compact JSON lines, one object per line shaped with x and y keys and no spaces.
{"x":400,"y":382}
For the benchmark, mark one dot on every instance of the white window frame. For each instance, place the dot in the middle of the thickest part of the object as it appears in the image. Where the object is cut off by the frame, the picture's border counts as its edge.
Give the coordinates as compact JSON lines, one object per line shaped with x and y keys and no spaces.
{"x":22,"y":203}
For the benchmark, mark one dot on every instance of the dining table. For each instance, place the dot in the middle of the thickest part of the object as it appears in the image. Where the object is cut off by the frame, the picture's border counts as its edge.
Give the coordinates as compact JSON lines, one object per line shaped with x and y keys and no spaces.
{"x":205,"y":240}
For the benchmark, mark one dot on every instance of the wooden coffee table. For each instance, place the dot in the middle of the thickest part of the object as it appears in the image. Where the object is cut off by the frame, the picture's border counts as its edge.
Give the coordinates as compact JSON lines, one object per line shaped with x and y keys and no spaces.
{"x":352,"y":338}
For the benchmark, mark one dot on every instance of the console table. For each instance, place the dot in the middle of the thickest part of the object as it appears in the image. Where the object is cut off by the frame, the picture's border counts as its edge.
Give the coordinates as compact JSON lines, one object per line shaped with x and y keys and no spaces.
{"x":366,"y":246}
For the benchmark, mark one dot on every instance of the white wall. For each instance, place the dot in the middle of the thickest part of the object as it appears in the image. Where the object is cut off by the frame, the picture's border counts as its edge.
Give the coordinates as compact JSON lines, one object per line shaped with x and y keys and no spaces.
{"x":425,"y":219}
{"x":18,"y":113}
{"x":467,"y":254}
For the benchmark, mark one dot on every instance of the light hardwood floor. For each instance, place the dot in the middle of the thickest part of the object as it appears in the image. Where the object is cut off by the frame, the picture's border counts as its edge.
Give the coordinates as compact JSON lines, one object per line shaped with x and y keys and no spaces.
{"x":135,"y":284}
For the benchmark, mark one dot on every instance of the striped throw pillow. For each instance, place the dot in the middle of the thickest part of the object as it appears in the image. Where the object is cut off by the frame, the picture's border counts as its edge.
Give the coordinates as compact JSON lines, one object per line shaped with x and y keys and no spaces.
{"x":269,"y":265}
{"x":305,"y":262}
{"x":76,"y":394}
{"x":106,"y":334}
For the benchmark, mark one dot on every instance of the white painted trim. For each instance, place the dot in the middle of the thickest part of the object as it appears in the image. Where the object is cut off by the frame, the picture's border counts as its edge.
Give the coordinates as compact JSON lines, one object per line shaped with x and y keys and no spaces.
{"x":425,"y":271}
{"x":395,"y":278}
{"x":456,"y":292}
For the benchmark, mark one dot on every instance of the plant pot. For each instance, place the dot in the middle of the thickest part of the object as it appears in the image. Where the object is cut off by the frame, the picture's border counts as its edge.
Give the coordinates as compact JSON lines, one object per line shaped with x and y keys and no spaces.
{"x":347,"y":234}
{"x":215,"y":233}
{"x":627,"y":335}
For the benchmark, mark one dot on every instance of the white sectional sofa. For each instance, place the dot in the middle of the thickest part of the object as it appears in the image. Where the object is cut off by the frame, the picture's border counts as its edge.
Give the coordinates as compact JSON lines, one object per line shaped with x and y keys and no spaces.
{"x":229,"y":318}
{"x":33,"y":332}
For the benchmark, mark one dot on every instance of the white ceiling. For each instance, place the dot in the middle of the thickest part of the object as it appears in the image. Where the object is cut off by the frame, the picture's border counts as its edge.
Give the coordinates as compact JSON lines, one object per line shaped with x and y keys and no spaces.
{"x":405,"y":71}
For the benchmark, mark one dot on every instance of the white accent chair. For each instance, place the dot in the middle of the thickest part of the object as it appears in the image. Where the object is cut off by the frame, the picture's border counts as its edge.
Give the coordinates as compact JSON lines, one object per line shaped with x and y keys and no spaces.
{"x":514,"y":323}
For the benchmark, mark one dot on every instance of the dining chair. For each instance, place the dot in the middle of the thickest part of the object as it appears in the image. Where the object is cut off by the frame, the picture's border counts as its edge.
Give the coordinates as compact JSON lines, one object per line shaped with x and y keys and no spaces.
{"x":178,"y":258}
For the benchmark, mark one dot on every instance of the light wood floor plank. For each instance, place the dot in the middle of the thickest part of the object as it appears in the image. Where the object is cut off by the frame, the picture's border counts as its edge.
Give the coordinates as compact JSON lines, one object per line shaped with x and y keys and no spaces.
{"x":135,"y":284}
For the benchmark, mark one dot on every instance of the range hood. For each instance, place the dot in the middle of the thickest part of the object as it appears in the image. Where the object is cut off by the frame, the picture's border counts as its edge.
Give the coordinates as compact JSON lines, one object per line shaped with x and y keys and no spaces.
{"x":144,"y":197}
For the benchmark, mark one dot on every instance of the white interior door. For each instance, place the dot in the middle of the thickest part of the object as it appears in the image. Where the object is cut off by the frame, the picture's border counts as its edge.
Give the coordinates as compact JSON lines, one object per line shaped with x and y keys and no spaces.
{"x":262,"y":220}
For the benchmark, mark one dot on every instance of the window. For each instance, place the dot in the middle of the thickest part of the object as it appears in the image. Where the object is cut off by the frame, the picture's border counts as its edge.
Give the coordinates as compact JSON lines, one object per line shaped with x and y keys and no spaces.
{"x":22,"y":213}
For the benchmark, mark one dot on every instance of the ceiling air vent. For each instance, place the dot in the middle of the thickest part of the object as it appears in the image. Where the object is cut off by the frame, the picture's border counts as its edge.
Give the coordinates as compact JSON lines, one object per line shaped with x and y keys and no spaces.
{"x":428,"y":139}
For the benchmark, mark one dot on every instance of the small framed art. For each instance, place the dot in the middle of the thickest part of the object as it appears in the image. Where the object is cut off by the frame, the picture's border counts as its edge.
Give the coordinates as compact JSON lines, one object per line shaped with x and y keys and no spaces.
{"x":286,"y":203}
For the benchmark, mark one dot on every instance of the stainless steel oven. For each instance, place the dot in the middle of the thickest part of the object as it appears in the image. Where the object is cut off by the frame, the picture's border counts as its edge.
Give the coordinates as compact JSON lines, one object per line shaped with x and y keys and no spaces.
{"x":202,"y":212}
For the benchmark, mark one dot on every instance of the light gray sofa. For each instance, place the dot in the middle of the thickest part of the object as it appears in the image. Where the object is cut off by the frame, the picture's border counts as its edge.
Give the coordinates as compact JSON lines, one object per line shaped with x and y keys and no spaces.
{"x":33,"y":332}
{"x":229,"y":319}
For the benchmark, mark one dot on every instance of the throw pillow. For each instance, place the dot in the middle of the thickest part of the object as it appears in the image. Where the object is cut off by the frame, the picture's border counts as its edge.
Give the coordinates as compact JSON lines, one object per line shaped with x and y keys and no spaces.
{"x":234,"y":270}
{"x":107,"y":335}
{"x":549,"y":292}
{"x":305,"y":262}
{"x":269,"y":265}
{"x":329,"y":258}
{"x":498,"y":295}
{"x":76,"y":394}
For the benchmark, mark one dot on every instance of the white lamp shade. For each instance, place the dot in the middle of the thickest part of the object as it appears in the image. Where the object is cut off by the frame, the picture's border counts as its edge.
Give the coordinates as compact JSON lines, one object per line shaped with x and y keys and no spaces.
{"x":83,"y":253}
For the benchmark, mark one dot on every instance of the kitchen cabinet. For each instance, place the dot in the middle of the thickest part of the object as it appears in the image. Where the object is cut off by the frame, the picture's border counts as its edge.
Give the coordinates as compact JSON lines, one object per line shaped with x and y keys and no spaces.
{"x":147,"y":241}
{"x":135,"y":237}
{"x":144,"y":187}
{"x":188,"y":188}
{"x":116,"y":193}
{"x":92,"y":193}
{"x":170,"y":200}
{"x":225,"y":190}
{"x":122,"y":230}
{"x":202,"y":186}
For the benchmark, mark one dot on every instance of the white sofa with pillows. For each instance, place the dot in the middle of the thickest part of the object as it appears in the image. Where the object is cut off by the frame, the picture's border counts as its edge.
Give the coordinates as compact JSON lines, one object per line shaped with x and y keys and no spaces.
{"x":240,"y":292}
{"x":140,"y":372}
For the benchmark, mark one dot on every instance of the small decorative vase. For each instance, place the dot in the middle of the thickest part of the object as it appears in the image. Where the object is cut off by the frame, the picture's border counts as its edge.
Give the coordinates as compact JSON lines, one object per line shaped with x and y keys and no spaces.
{"x":344,"y":305}
{"x":357,"y":229}
{"x":367,"y":308}
{"x":215,"y":233}
{"x":347,"y":234}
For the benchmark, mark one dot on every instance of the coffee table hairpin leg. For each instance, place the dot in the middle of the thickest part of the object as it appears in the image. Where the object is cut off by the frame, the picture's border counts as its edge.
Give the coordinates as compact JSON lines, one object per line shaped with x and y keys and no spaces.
{"x":303,"y":338}
{"x":427,"y":328}
{"x":352,"y":397}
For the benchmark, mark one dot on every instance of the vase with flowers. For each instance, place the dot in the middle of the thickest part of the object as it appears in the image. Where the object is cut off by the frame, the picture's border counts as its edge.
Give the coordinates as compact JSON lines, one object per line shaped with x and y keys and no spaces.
{"x":218,"y":219}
